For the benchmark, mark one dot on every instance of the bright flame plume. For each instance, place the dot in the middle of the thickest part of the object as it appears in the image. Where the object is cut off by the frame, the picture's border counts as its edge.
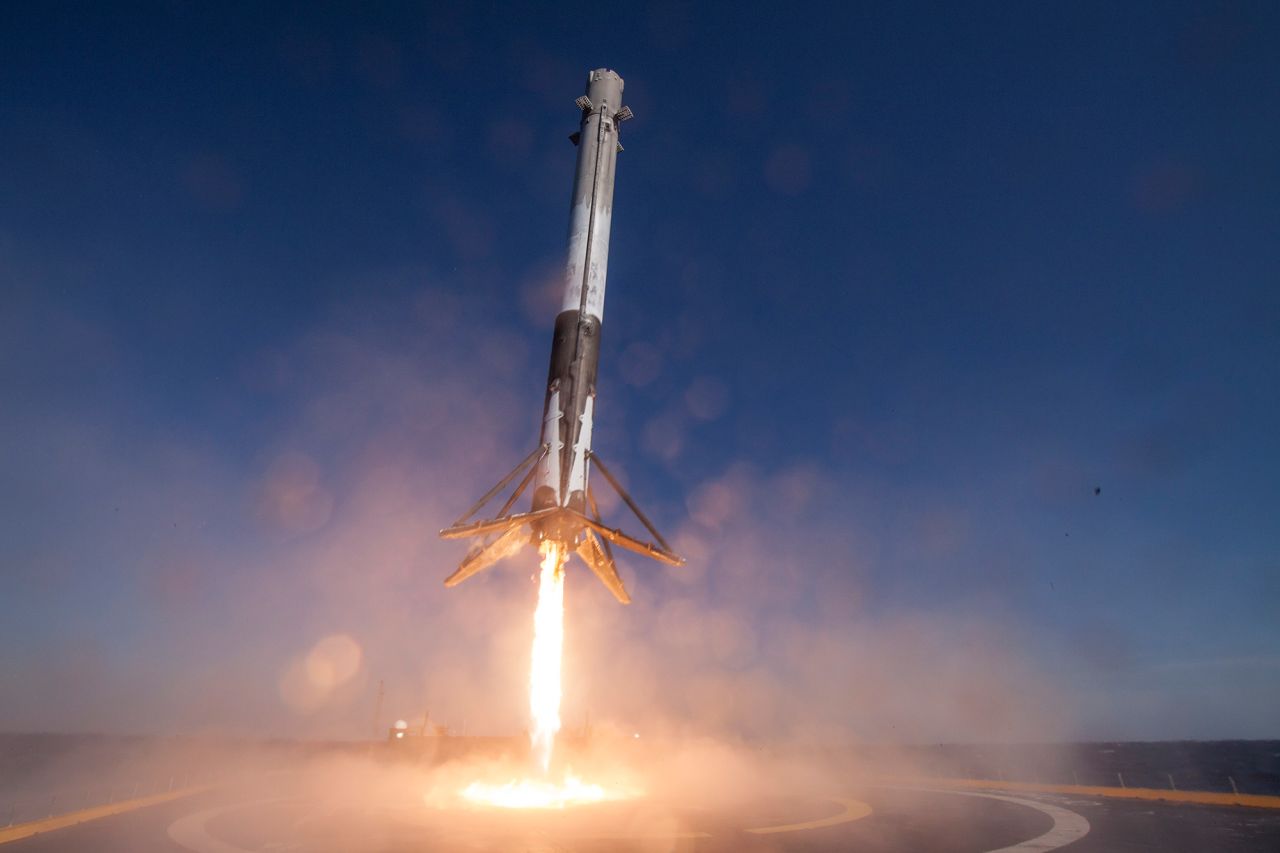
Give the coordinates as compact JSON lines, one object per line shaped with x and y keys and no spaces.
{"x":548,"y":651}
{"x":544,"y":709}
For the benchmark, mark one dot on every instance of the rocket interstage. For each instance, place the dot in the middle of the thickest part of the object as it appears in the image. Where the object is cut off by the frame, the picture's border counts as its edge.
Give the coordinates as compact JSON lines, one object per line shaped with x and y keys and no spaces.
{"x":564,"y":509}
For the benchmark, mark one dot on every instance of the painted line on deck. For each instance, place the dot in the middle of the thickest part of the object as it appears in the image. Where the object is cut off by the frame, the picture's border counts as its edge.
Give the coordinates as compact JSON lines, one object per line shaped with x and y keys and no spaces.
{"x":62,"y":821}
{"x":853,"y":810}
{"x":650,"y":835}
{"x":1068,"y":826}
{"x":190,"y":831}
{"x":1209,"y":798}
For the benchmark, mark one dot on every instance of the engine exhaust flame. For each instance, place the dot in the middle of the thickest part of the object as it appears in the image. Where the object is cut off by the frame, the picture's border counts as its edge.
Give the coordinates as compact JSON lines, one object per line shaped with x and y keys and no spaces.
{"x":548,"y":651}
{"x":542,"y":791}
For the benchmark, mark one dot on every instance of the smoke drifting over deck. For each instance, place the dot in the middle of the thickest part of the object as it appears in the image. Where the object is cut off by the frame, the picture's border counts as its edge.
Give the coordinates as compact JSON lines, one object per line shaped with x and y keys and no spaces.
{"x":328,"y":532}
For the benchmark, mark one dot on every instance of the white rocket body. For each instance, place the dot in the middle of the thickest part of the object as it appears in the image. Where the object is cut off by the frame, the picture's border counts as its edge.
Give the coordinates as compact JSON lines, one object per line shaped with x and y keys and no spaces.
{"x":563,"y":509}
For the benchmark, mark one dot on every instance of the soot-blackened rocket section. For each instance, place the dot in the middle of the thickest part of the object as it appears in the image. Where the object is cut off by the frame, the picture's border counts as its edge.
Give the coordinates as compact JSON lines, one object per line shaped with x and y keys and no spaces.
{"x":564,"y":509}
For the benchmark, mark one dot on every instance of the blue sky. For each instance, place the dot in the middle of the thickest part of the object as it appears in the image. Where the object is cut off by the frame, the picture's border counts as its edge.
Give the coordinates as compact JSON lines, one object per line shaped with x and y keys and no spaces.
{"x":893,"y":291}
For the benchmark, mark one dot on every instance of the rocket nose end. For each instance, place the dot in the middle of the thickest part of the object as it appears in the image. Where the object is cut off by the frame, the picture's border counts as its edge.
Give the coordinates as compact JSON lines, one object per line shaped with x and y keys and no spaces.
{"x":604,"y":74}
{"x":604,"y":85}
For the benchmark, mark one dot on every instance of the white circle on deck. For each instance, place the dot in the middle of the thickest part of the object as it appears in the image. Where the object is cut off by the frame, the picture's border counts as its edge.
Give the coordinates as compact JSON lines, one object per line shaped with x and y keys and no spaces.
{"x":190,"y":832}
{"x":1068,"y":826}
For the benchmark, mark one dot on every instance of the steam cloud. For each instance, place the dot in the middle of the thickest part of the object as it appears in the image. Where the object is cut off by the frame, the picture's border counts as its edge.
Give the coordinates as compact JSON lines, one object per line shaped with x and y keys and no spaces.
{"x":270,"y":594}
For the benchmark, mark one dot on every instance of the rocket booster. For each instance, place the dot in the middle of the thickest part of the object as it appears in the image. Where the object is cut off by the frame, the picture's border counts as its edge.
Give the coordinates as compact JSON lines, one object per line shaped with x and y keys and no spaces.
{"x":563,"y":507}
{"x":575,"y":347}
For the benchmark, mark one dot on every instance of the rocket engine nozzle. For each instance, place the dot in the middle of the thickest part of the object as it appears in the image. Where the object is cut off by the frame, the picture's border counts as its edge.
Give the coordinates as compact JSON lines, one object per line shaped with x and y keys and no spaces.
{"x":563,"y":527}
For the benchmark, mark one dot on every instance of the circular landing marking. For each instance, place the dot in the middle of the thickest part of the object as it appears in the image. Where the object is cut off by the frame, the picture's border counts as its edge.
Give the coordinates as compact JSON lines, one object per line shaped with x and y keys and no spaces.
{"x":657,"y":835}
{"x":419,"y":818}
{"x":191,"y":832}
{"x":1067,"y":825}
{"x":853,"y":810}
